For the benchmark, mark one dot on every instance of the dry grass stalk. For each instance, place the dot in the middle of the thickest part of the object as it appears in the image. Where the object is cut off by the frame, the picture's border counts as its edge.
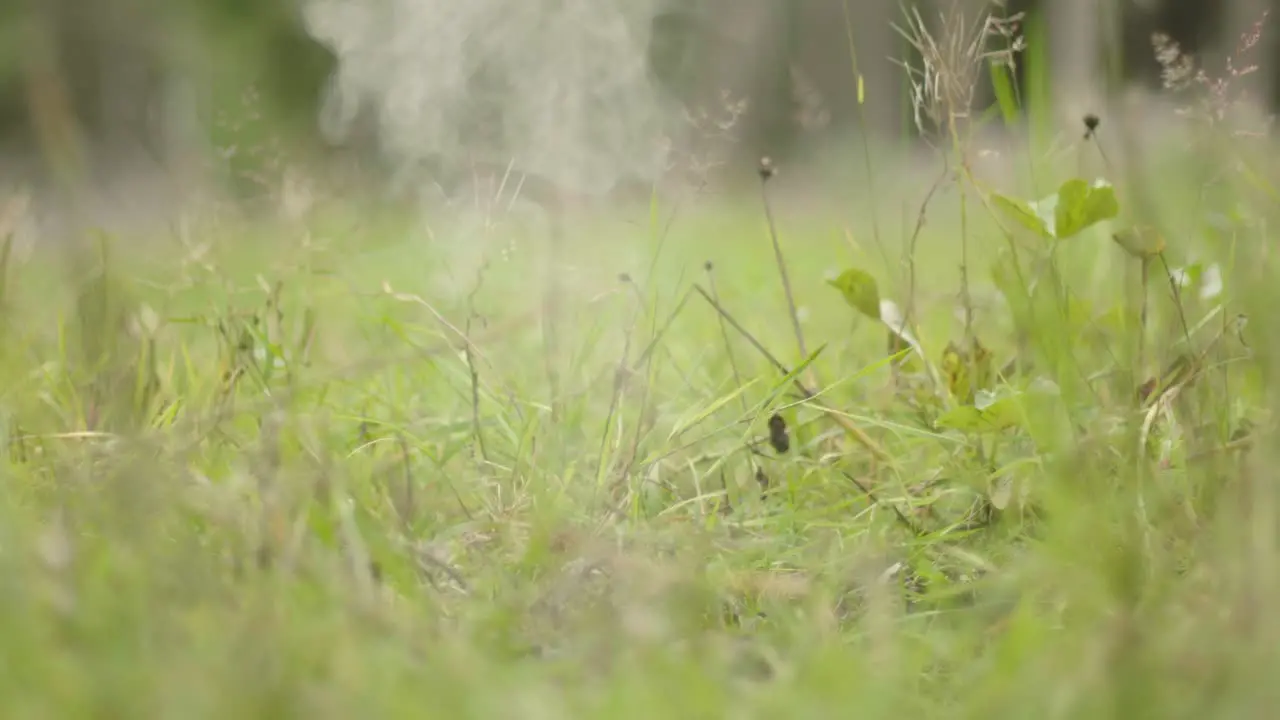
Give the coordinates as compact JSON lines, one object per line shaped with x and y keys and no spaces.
{"x":952,"y":60}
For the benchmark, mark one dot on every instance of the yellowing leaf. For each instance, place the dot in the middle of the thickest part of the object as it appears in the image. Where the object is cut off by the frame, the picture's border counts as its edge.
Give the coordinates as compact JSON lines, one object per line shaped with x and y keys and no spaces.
{"x":1140,"y":241}
{"x":967,"y":372}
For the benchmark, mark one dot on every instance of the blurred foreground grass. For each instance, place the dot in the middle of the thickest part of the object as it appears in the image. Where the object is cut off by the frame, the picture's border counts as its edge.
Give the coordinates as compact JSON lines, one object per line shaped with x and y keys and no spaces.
{"x":288,"y":469}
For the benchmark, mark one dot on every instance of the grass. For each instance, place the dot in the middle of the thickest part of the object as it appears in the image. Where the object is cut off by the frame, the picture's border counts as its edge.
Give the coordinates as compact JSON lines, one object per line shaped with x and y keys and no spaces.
{"x":312,"y":469}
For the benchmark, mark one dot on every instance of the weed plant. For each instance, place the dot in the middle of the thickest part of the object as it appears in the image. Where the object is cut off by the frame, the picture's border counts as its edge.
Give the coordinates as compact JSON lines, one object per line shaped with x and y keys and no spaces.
{"x":1018,"y":471}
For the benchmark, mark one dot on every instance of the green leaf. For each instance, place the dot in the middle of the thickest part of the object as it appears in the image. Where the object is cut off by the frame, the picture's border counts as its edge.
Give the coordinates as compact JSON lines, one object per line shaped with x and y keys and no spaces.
{"x":790,"y":377}
{"x":989,"y":413}
{"x":683,"y":425}
{"x":1004,"y":274}
{"x":860,"y":291}
{"x":1025,"y":214}
{"x":965,"y":418}
{"x":1000,"y":493}
{"x":1081,"y":205}
{"x":1019,"y":298}
{"x":1076,"y":206}
{"x":1006,"y":98}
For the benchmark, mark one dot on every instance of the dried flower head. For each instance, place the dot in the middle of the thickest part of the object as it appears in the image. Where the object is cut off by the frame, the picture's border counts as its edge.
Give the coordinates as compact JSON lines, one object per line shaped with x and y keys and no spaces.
{"x":1216,"y":98}
{"x":1177,"y":69}
{"x":767,"y":170}
{"x":713,"y":133}
{"x":952,"y":60}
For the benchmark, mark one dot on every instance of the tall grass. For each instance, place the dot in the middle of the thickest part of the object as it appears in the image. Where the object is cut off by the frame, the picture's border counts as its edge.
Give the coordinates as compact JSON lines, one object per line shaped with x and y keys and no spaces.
{"x":310,"y":468}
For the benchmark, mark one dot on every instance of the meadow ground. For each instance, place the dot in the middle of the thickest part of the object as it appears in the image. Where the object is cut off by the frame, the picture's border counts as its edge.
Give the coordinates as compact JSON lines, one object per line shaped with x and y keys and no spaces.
{"x":357,"y":464}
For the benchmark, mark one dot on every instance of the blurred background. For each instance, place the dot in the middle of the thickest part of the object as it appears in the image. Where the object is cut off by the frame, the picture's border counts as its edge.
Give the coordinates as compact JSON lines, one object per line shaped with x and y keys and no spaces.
{"x":138,"y":103}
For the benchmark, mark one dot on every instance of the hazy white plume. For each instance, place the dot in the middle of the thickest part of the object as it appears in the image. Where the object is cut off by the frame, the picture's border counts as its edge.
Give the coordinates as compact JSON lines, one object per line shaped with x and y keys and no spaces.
{"x":561,"y":88}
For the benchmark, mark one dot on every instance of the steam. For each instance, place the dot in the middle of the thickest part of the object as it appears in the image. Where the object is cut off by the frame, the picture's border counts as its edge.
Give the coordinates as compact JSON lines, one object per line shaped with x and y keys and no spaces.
{"x":559,"y":88}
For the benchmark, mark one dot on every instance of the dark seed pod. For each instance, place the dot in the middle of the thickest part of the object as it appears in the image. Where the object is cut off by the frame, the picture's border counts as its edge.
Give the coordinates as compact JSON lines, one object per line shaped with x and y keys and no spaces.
{"x":1091,"y":123}
{"x":778,"y":436}
{"x":762,"y":479}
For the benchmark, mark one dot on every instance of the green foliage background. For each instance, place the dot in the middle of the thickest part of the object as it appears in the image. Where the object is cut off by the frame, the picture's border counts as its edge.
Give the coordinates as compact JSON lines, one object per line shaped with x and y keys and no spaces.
{"x":226,"y":45}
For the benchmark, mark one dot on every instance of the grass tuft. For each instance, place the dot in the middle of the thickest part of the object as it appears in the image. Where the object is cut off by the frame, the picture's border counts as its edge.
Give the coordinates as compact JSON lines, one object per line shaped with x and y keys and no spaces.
{"x":288,"y":468}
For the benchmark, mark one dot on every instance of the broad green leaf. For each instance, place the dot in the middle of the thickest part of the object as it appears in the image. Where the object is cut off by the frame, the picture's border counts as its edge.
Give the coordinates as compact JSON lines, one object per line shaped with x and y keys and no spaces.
{"x":860,"y":291}
{"x":1025,"y":214}
{"x":1047,"y":210}
{"x":965,"y":418}
{"x":1076,"y":206}
{"x":989,"y":413}
{"x":1081,"y":205}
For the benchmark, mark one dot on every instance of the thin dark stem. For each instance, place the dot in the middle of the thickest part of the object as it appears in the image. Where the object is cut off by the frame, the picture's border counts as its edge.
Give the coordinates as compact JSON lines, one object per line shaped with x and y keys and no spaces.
{"x":782,"y":267}
{"x":657,"y":338}
{"x":733,"y":364}
{"x":844,"y":422}
{"x":724,"y":332}
{"x":1177,"y":297}
{"x":902,"y":519}
{"x":746,"y":334}
{"x":619,"y":382}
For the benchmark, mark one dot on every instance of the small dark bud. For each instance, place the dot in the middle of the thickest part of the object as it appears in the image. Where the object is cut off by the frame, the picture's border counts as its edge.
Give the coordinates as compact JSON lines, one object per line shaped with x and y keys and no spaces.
{"x":766,"y":168}
{"x":778,"y":436}
{"x":624,"y":277}
{"x":708,"y":266}
{"x":1091,"y":123}
{"x":762,"y":479}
